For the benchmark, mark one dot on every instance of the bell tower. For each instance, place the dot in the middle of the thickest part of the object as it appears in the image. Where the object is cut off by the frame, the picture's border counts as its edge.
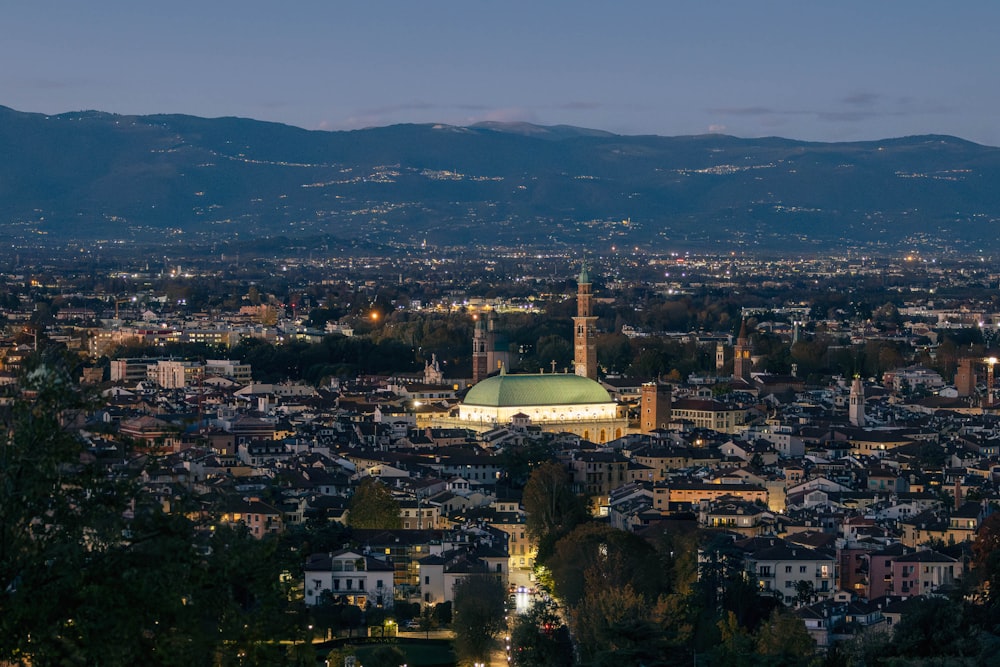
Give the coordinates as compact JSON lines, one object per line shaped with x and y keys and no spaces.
{"x":584,"y":329}
{"x":742,"y":363}
{"x":856,"y":409}
{"x":480,"y":367}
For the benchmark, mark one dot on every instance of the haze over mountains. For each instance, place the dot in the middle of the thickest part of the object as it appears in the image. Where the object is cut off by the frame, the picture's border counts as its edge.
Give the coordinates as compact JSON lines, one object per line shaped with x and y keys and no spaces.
{"x":89,"y":175}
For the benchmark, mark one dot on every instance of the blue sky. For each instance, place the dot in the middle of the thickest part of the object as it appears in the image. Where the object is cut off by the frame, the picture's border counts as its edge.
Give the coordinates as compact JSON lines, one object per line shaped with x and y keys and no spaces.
{"x":823,"y":71}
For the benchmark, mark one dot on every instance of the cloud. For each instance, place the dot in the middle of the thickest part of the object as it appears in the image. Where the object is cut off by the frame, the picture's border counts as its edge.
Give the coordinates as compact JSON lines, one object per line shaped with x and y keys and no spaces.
{"x":862,"y":106}
{"x":745,"y":111}
{"x":396,"y":108}
{"x":515,"y":113}
{"x":579,"y":106}
{"x":716,"y":129}
{"x":862,"y":99}
{"x":853,"y":116}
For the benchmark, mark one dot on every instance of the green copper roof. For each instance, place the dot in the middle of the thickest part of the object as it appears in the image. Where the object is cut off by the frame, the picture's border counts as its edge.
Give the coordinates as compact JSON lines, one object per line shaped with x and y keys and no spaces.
{"x":584,"y":277}
{"x":545,"y":389}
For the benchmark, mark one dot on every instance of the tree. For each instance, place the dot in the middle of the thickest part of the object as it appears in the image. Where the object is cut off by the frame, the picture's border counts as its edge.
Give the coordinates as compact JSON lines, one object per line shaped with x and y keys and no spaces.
{"x":736,"y":647}
{"x":372,"y":506}
{"x":60,"y":523}
{"x":805,"y":591}
{"x":783,"y":638}
{"x":427,"y":621}
{"x":350,"y":618}
{"x":539,"y":638}
{"x":614,"y":557}
{"x":385,"y":656}
{"x":479,"y":615}
{"x":82,"y":557}
{"x":934,"y":627}
{"x":519,"y":460}
{"x":336,"y":657}
{"x":986,"y":557}
{"x":443,"y":613}
{"x":552,"y":506}
{"x":613,"y":625}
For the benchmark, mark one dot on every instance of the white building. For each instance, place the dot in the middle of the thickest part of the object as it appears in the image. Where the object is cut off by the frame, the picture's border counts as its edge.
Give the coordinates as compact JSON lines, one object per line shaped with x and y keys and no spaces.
{"x":347,"y":574}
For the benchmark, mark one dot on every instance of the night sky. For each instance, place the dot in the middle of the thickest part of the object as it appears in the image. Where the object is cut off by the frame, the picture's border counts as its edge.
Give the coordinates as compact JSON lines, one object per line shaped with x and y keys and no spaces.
{"x":823,"y":71}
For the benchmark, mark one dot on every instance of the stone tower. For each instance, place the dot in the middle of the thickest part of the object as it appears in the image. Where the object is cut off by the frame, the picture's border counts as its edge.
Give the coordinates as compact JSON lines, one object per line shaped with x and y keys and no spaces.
{"x":584,"y":329}
{"x":965,"y":377}
{"x":742,"y":364}
{"x":856,"y":409}
{"x":655,"y":404}
{"x":720,"y":358}
{"x":497,"y":354}
{"x":480,"y":363}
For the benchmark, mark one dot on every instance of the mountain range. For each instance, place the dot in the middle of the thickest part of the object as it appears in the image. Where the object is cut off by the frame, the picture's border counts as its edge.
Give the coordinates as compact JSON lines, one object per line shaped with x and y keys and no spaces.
{"x":88,"y":176}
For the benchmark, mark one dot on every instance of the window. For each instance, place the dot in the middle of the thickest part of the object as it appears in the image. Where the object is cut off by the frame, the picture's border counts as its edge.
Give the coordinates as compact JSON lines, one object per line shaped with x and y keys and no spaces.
{"x":427,"y":580}
{"x":802,"y":569}
{"x":788,"y":569}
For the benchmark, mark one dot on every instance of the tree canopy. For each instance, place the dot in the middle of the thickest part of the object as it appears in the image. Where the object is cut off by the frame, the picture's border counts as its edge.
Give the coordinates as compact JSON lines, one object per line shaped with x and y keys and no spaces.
{"x":552,"y":506}
{"x":479,"y":616}
{"x":372,"y":506}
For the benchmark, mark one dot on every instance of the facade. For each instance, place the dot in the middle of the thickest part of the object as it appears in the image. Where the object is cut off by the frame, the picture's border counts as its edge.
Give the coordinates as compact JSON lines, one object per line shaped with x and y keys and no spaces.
{"x":655,"y":403}
{"x":553,"y":401}
{"x":351,"y":576}
{"x":702,"y":492}
{"x":130,"y":370}
{"x":259,"y":517}
{"x":596,"y":474}
{"x":710,"y":414}
{"x":923,"y":572}
{"x":912,"y":377}
{"x":174,"y":374}
{"x":227,"y":368}
{"x":747,"y":519}
{"x":780,"y":569}
{"x":440,"y":573}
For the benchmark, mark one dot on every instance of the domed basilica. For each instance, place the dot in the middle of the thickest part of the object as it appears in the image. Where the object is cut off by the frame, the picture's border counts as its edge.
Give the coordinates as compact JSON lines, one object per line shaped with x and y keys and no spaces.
{"x":560,"y":402}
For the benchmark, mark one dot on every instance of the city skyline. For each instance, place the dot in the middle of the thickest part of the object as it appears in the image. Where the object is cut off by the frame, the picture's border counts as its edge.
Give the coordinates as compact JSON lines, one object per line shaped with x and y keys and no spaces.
{"x":844,"y":72}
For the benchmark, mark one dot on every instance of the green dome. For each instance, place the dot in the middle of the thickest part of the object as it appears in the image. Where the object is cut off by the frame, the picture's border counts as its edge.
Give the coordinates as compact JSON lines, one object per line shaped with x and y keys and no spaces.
{"x":546,"y":389}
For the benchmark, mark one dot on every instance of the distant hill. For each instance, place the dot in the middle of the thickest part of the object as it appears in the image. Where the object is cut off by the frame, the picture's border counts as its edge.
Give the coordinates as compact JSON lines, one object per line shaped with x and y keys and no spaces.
{"x":91,"y":175}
